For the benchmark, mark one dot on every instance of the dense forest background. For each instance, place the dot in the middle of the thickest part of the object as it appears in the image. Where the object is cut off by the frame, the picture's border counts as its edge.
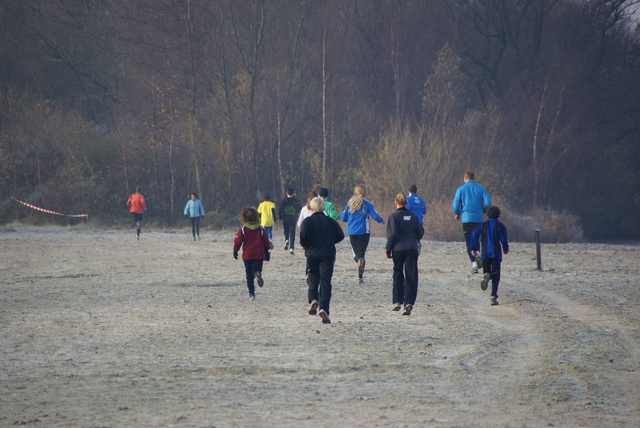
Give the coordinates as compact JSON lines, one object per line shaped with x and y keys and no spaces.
{"x":236,"y":98}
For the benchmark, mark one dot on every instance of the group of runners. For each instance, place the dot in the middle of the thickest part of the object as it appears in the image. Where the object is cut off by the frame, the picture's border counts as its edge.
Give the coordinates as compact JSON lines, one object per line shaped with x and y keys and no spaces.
{"x":319,"y":232}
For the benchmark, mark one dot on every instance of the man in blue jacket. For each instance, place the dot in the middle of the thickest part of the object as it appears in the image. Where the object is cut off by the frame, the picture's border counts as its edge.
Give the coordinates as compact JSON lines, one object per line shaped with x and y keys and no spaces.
{"x":469,"y":205}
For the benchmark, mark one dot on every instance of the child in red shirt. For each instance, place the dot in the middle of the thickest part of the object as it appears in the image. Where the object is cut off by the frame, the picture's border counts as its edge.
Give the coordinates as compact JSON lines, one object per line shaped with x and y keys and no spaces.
{"x":254,"y":241}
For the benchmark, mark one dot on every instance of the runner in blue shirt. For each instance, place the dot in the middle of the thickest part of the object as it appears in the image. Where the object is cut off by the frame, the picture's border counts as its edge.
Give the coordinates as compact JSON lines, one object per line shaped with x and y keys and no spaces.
{"x":469,"y":205}
{"x":356,"y":214}
{"x":416,"y":204}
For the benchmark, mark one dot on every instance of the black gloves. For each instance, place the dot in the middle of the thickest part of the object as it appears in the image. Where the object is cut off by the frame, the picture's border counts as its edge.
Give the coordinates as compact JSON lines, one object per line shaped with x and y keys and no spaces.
{"x":235,"y":255}
{"x":268,"y":256}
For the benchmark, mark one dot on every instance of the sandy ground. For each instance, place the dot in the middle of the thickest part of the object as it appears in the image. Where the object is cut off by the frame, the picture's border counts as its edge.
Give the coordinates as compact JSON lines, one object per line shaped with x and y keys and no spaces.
{"x":101,"y":330}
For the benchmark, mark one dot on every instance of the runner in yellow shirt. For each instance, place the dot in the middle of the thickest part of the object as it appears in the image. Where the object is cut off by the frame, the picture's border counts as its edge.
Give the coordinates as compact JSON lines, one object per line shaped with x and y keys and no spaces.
{"x":267,"y":211}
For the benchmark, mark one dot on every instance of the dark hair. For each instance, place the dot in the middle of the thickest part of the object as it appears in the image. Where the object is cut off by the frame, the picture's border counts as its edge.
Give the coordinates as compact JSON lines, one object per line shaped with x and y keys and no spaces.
{"x":310,"y":196}
{"x":413,"y":188}
{"x":324,"y":193}
{"x":138,"y":189}
{"x":493,"y":212}
{"x":470,"y":175}
{"x":289,"y":191}
{"x":249,"y":215}
{"x":267,"y":196}
{"x":195,"y":194}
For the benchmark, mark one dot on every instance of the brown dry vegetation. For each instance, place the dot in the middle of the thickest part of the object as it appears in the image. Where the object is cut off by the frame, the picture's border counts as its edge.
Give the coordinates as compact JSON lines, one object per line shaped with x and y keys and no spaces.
{"x":235,"y":99}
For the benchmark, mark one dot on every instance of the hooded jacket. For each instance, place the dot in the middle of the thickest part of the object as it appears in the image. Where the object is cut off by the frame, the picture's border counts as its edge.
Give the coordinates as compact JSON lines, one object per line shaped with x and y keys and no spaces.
{"x":290,"y":206}
{"x":254,"y":241}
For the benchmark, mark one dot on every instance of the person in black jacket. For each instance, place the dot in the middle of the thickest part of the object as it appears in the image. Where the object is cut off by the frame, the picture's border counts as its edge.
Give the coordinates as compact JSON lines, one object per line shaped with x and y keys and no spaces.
{"x":404,"y":233}
{"x":288,"y":212}
{"x":319,"y":235}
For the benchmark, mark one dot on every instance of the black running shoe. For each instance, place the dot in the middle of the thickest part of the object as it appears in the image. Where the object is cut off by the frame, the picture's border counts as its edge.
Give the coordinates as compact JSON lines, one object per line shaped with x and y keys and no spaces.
{"x":324,"y":316}
{"x":485,"y":281}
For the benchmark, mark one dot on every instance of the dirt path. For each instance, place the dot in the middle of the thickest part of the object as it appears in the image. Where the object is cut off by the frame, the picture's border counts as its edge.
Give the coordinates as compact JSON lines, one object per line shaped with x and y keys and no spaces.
{"x":98,"y":329}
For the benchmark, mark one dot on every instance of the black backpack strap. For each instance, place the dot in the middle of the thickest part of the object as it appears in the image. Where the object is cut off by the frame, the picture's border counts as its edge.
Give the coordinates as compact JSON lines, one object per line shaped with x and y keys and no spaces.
{"x":483,"y":238}
{"x":496,"y":235}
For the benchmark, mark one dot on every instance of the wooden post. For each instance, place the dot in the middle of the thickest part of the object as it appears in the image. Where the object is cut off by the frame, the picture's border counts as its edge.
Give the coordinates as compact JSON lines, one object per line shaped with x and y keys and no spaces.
{"x":538,"y":255}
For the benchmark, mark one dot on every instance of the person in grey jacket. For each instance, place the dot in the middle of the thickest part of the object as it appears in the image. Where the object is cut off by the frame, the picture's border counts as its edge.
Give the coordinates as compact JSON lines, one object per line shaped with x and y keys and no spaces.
{"x":404,"y":233}
{"x":319,"y":235}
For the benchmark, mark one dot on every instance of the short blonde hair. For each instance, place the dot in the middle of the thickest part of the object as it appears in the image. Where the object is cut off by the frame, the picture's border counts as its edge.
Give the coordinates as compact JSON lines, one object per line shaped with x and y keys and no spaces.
{"x":401,"y":200}
{"x":316,"y":205}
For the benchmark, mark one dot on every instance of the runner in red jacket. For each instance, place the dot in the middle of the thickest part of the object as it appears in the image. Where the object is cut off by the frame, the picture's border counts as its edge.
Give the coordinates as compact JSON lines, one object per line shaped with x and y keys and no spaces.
{"x":254,"y":241}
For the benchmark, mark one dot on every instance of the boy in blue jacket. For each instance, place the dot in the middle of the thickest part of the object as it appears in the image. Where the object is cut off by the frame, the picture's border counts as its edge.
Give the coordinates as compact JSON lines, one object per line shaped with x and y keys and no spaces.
{"x":416,"y":204}
{"x":491,"y":236}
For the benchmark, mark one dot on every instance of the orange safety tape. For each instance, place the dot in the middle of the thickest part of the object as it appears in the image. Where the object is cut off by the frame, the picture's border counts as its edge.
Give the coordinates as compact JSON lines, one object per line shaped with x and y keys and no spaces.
{"x":48,"y":211}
